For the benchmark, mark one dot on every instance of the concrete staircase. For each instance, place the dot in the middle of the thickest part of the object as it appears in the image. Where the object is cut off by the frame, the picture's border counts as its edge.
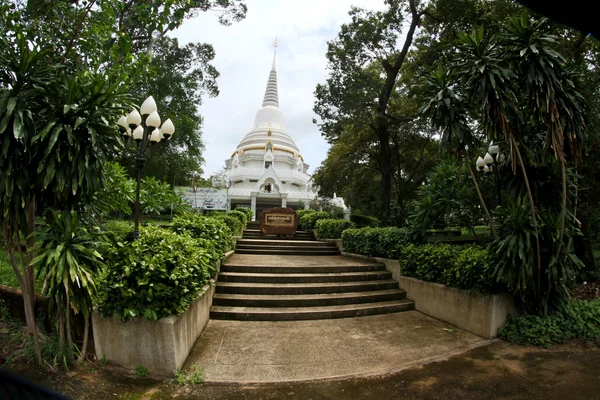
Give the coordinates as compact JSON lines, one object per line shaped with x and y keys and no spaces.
{"x":303,"y":243}
{"x":275,"y":279}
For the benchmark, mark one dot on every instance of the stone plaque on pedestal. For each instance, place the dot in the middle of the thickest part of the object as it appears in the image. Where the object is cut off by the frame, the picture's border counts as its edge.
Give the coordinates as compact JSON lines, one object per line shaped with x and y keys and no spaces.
{"x":278,"y":221}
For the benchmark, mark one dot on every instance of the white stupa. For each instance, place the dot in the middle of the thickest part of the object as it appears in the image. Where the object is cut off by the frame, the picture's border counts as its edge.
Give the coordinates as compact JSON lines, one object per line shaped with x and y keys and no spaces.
{"x":267,"y":169}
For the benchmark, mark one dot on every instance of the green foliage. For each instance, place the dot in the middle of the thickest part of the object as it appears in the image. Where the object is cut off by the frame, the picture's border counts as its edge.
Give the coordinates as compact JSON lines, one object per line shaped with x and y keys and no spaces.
{"x":161,"y":273}
{"x":376,"y":242}
{"x":141,"y":371}
{"x":193,"y":376}
{"x":213,"y":230}
{"x":578,"y":319}
{"x":362,"y":221}
{"x":332,"y":228}
{"x":246,"y":211}
{"x":241,"y":215}
{"x":232,"y":221}
{"x":301,"y":213}
{"x":157,"y":197}
{"x":448,"y":199}
{"x":68,"y":257}
{"x":467,"y":268}
{"x":428,"y":262}
{"x":309,"y":220}
{"x":118,"y":194}
{"x":119,"y":229}
{"x":541,"y":290}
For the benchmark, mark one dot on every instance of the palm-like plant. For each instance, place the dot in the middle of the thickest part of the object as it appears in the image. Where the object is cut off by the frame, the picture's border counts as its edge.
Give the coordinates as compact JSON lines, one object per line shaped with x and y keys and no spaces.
{"x":68,"y":259}
{"x":448,"y":111}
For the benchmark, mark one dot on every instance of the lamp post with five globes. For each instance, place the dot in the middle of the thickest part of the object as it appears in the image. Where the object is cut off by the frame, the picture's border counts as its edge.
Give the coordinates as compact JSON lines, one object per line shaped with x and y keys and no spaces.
{"x":143,"y":127}
{"x":489,"y":162}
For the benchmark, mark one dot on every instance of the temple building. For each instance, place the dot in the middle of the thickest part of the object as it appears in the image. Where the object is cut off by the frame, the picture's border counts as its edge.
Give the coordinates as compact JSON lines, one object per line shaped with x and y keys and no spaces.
{"x":267,"y":169}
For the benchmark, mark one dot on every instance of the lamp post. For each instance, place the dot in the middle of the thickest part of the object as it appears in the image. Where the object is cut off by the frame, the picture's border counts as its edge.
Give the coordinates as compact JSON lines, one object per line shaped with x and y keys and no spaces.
{"x":491,"y":161}
{"x":143,"y":127}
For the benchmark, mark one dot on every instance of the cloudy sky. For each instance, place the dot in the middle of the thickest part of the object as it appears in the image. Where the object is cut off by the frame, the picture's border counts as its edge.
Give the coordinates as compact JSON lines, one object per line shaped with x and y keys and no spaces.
{"x":244,"y":54}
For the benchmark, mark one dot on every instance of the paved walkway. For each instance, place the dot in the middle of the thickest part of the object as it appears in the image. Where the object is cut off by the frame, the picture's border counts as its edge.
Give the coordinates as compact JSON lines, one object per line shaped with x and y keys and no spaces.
{"x":253,"y":352}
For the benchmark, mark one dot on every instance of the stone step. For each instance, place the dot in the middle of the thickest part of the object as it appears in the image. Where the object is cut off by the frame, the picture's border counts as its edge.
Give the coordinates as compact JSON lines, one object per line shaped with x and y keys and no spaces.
{"x":304,"y":288}
{"x":296,"y":252}
{"x":275,"y":238}
{"x":283,"y":242}
{"x":307,"y":300}
{"x":309,"y":313}
{"x":295,"y":269}
{"x":304,"y":277}
{"x":286,"y":246}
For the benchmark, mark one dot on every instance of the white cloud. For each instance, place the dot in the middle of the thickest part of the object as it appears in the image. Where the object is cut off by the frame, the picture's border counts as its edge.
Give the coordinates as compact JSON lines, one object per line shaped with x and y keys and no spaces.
{"x":243,"y":57}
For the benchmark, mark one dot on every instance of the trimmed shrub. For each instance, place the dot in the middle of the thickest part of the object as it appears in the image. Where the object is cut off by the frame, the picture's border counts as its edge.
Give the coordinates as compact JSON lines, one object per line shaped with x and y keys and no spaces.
{"x":428,"y":262}
{"x":376,"y":242}
{"x":472,"y":270}
{"x":579,"y":319}
{"x":308,"y":220}
{"x":461,"y":267}
{"x":246,"y":211}
{"x":211,"y":229}
{"x":239,"y":215}
{"x":304,"y":212}
{"x":332,"y":228}
{"x":362,"y":221}
{"x":159,"y":274}
{"x":119,"y":228}
{"x":233,"y":223}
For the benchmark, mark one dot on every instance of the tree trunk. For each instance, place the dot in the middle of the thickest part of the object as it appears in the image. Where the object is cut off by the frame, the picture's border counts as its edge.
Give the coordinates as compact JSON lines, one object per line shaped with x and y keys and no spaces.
{"x":86,"y":331}
{"x":533,"y":213}
{"x":563,"y":214}
{"x":386,"y":174}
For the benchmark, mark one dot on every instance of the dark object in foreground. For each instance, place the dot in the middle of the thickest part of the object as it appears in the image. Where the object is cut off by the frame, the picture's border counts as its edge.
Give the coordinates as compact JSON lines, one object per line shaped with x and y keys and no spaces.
{"x":13,"y":386}
{"x":278,"y":221}
{"x":579,"y":14}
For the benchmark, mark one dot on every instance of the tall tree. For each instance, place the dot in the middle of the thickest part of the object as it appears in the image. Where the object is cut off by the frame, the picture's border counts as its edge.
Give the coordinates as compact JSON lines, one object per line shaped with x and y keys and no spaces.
{"x":365,"y":61}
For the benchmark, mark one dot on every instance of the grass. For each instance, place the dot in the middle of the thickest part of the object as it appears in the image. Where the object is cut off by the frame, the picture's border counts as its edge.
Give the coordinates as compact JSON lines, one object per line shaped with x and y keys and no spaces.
{"x":7,"y":275}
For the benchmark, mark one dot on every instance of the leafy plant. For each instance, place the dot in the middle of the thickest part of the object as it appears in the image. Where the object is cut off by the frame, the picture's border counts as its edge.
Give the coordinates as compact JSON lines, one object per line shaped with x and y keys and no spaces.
{"x":159,"y":274}
{"x":214,"y":230}
{"x":578,"y":319}
{"x":301,"y":213}
{"x":246,"y":211}
{"x":362,"y":221}
{"x":193,"y":376}
{"x":376,"y":242}
{"x":332,"y":228}
{"x":308,"y":220}
{"x":141,"y":371}
{"x":68,"y":259}
{"x":241,"y":215}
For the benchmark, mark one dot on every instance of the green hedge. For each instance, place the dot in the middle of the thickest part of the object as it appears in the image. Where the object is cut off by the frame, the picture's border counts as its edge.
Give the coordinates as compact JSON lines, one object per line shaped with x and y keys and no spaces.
{"x":461,"y":267}
{"x":239,"y":215}
{"x":362,"y":221}
{"x":304,"y":212}
{"x":579,"y":319}
{"x":159,"y":274}
{"x":309,"y":220}
{"x":213,"y":229}
{"x":246,"y":211}
{"x":332,"y":228}
{"x":375,"y":242}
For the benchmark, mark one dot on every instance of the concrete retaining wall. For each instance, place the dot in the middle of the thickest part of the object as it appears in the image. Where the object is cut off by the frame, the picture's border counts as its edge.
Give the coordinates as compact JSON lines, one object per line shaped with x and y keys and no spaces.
{"x":481,"y":314}
{"x":161,"y":346}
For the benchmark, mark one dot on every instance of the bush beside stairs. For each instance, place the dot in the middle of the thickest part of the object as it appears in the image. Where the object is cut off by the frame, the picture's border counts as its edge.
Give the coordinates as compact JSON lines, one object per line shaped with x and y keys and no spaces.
{"x":283,"y":279}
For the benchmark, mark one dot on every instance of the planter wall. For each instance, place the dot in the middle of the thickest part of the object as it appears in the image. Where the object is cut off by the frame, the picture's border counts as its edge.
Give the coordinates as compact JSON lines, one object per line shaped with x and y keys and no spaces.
{"x":481,"y":314}
{"x":162,"y":346}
